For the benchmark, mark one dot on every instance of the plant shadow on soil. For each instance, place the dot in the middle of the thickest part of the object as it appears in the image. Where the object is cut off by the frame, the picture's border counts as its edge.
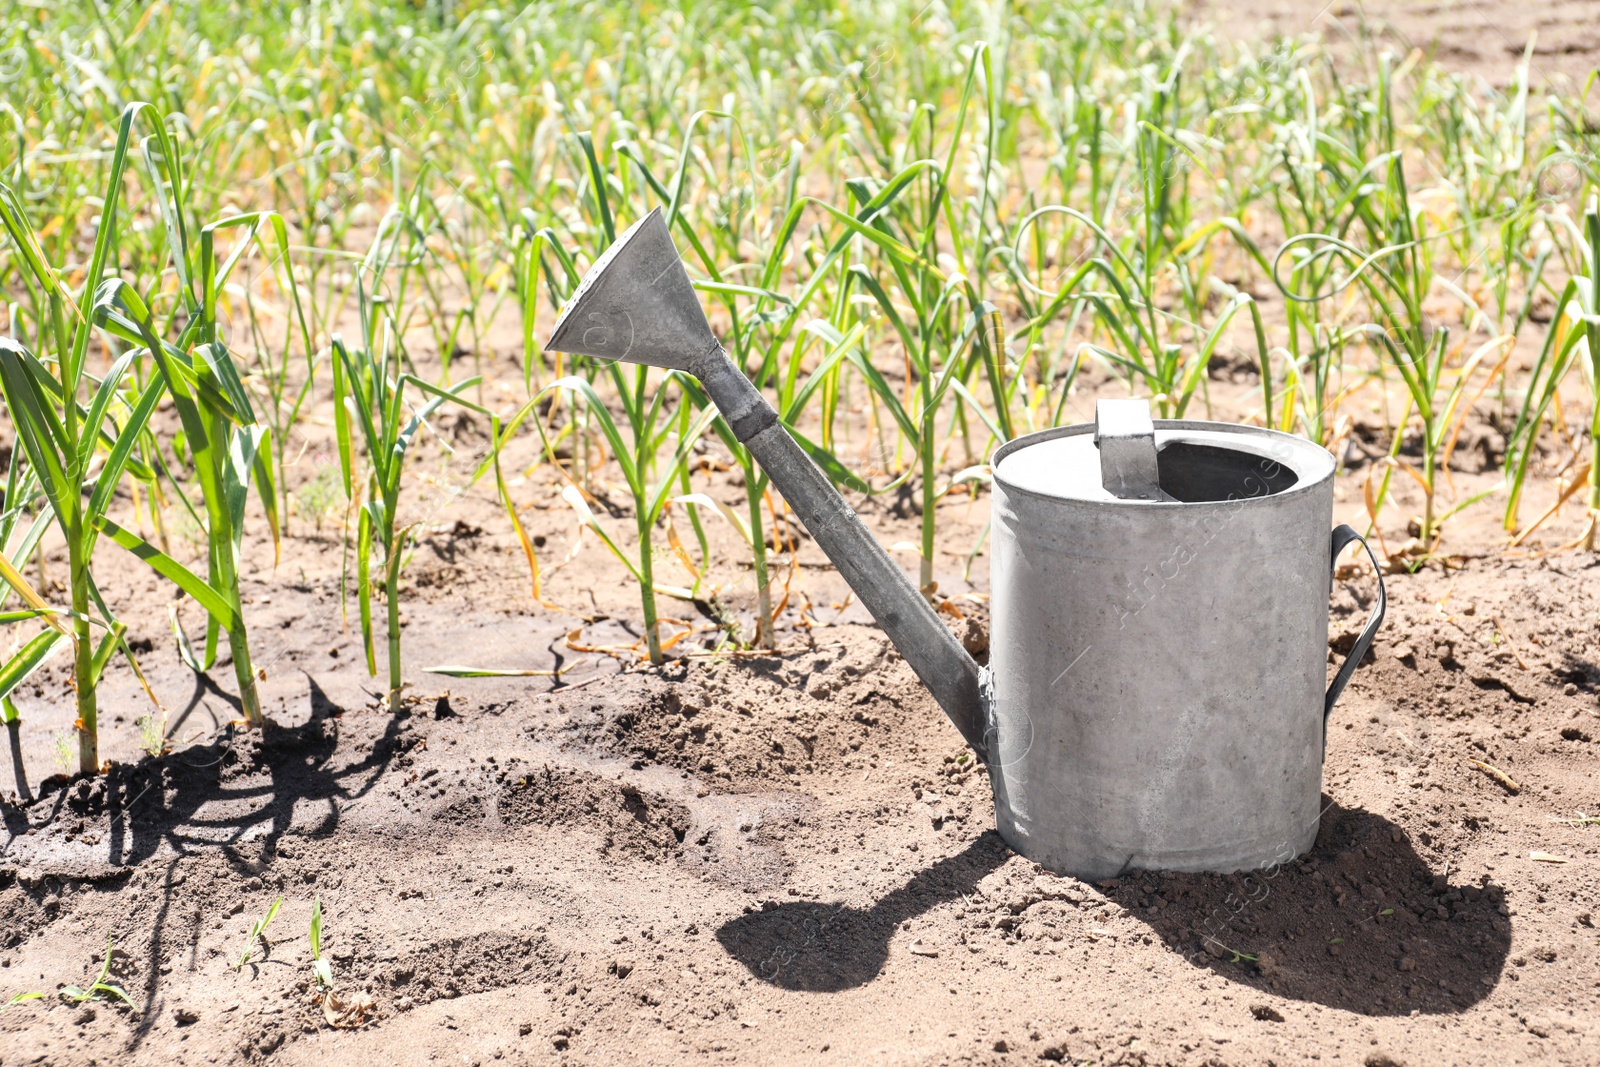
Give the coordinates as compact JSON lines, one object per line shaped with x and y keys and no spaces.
{"x":1360,"y":923}
{"x":235,"y":797}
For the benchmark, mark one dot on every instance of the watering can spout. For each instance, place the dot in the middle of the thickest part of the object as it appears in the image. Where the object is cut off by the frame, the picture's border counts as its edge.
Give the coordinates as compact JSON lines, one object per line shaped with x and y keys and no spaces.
{"x":637,"y":304}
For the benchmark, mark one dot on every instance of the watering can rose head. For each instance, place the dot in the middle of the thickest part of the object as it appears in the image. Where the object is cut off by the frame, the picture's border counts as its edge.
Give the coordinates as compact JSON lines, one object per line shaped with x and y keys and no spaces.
{"x":636,"y":304}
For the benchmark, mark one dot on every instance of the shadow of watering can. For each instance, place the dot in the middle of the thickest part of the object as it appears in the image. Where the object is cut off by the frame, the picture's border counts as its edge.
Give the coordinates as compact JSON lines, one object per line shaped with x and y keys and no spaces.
{"x":1155,"y":695}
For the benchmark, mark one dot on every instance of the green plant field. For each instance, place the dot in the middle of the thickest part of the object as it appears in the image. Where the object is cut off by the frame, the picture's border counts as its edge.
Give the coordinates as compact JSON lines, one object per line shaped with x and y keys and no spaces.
{"x":921,"y":229}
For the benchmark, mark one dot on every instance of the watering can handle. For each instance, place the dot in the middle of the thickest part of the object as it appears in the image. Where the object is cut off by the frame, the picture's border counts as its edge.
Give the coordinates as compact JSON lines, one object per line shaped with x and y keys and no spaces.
{"x":1126,"y":437}
{"x":1342,"y":536}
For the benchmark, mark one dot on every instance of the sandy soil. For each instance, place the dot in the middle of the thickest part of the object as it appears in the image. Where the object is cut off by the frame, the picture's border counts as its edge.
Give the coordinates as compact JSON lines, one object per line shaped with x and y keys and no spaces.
{"x":1487,"y":38}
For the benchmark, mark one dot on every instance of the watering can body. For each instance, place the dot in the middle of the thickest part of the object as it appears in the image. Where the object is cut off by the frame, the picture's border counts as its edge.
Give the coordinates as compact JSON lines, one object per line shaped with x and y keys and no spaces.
{"x":1159,"y":608}
{"x":1158,"y":666}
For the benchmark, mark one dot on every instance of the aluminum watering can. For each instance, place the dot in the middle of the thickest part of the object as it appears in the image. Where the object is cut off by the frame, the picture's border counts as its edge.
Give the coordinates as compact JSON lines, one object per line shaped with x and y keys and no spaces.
{"x":1155,"y":696}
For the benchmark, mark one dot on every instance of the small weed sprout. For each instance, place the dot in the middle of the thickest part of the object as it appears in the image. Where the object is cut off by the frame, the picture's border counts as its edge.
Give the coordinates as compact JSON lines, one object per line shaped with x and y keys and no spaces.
{"x":62,"y":744}
{"x":190,"y":532}
{"x":152,"y":734}
{"x":99,"y":989}
{"x":321,"y":496}
{"x":320,"y":969}
{"x":730,"y":632}
{"x":258,"y":930}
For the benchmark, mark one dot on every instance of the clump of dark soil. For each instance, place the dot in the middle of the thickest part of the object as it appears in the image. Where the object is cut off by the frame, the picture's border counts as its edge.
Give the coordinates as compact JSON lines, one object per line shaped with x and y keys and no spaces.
{"x":458,"y":966}
{"x":632,"y":822}
{"x":759,"y":719}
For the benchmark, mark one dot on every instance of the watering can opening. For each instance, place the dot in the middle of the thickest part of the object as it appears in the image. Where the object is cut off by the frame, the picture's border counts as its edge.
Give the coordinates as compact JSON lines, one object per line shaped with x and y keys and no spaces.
{"x":1172,"y":463}
{"x":1139,"y":463}
{"x":1194,"y":473}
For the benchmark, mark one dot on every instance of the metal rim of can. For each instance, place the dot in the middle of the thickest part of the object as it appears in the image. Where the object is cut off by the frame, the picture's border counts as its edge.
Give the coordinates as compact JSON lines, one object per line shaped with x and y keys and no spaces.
{"x":1311,"y":463}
